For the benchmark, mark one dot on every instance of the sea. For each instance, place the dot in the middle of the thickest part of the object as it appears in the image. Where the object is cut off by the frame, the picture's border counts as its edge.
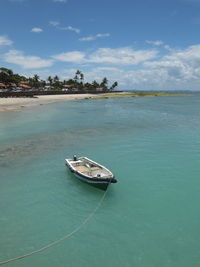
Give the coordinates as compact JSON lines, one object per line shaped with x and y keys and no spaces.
{"x":149,"y":218}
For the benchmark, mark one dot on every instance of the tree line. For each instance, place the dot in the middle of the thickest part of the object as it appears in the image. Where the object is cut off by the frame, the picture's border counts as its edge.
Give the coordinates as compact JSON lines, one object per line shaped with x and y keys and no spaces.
{"x":8,"y":77}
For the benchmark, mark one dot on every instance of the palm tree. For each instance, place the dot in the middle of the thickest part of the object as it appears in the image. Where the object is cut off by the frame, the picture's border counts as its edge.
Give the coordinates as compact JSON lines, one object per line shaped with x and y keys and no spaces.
{"x":95,"y":85}
{"x":104,"y":81}
{"x":50,"y":80}
{"x":42,"y":83}
{"x":35,"y":80}
{"x":70,"y":82}
{"x":56,"y":81}
{"x":6,"y":71}
{"x":104,"y":84}
{"x":115,"y":84}
{"x":81,"y":80}
{"x":78,"y":73}
{"x":6,"y":75}
{"x":81,"y":76}
{"x":76,"y":77}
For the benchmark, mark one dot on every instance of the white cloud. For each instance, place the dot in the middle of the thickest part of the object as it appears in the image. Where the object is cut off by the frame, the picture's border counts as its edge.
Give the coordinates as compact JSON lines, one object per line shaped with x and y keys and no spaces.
{"x":133,"y":69}
{"x":195,"y":1}
{"x":100,"y":35}
{"x":89,"y":38}
{"x":127,"y":79}
{"x":4,"y":41}
{"x":112,"y":69}
{"x":191,"y":55}
{"x":178,"y":70}
{"x":167,"y":47}
{"x":124,"y":55}
{"x":94,"y":37}
{"x":157,"y":43}
{"x":43,"y":73}
{"x":54,"y":23}
{"x":180,"y":64}
{"x":74,"y":57}
{"x":60,"y":1}
{"x":70,"y":28}
{"x":98,"y":73}
{"x":140,"y":79}
{"x":37,"y":30}
{"x":19,"y":1}
{"x":26,"y":62}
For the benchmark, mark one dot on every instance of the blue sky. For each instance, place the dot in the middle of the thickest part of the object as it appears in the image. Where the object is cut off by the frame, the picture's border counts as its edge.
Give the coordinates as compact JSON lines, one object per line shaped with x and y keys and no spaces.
{"x":142,"y":44}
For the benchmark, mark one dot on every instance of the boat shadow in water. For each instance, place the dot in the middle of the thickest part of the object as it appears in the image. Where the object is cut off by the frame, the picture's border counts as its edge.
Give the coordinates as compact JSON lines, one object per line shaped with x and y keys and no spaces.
{"x":98,"y":186}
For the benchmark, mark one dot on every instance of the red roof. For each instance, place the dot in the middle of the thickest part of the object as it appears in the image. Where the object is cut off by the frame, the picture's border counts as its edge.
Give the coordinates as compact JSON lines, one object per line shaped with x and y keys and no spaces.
{"x":24,"y":82}
{"x":24,"y":86}
{"x":2,"y":85}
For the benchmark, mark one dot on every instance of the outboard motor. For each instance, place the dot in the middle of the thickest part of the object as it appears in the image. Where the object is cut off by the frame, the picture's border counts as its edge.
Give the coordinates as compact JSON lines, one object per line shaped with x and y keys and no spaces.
{"x":75,"y":158}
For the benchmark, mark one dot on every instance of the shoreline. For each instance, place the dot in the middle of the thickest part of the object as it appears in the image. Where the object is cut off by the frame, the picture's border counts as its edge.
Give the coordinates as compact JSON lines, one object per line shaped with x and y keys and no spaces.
{"x":18,"y":103}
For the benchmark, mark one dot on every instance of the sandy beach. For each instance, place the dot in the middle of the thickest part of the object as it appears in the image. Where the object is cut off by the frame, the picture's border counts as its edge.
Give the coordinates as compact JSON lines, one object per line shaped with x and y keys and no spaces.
{"x":16,"y":103}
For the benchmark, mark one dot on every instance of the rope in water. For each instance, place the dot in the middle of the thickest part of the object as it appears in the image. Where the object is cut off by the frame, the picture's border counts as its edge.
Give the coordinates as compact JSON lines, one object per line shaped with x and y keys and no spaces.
{"x":77,"y":229}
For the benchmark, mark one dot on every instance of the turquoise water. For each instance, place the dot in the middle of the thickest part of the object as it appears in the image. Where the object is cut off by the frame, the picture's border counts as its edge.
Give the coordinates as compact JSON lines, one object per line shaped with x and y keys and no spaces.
{"x":150,"y":218}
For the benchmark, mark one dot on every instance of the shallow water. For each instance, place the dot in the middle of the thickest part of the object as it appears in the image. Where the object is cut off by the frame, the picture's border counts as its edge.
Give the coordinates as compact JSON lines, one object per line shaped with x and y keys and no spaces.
{"x":150,"y":218}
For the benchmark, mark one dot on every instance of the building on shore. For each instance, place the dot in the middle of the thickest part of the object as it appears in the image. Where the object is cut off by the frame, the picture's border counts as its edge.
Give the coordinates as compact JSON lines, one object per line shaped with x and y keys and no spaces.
{"x":3,"y":87}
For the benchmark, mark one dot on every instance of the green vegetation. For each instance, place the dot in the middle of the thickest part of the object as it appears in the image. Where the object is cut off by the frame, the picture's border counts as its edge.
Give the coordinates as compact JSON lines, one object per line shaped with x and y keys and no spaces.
{"x":8,"y":77}
{"x":135,"y":94}
{"x":54,"y":83}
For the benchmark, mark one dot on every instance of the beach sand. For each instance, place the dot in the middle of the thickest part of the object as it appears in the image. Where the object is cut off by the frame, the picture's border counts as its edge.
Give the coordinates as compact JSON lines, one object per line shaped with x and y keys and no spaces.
{"x":16,"y":103}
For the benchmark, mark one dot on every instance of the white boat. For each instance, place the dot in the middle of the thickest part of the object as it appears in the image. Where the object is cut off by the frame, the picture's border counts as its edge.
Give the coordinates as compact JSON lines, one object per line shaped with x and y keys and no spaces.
{"x":90,"y":171}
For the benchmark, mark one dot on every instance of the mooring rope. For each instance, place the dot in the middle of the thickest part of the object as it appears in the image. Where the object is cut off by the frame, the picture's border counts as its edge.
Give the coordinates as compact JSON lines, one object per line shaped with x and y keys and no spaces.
{"x":77,"y":229}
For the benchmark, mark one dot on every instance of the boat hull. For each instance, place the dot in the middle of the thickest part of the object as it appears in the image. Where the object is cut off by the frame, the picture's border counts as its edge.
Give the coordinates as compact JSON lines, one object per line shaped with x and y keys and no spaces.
{"x":93,"y":180}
